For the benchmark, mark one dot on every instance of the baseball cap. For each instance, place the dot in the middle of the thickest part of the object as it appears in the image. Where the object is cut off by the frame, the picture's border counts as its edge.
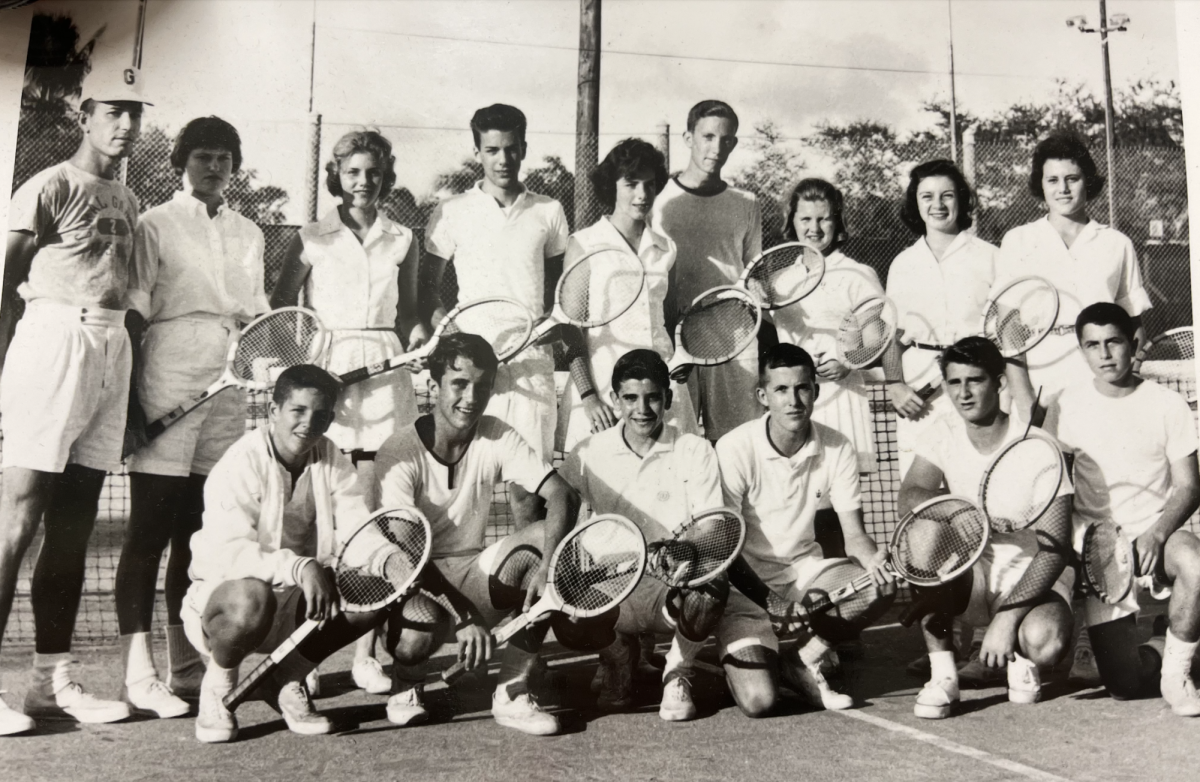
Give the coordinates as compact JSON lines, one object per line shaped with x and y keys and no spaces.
{"x":111,"y":83}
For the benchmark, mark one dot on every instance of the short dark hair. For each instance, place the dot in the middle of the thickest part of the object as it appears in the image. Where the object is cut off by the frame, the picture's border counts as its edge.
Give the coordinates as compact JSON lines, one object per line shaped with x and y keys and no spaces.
{"x":783,"y":354}
{"x":88,"y":106}
{"x":206,"y":133}
{"x":974,"y":351}
{"x":305,"y":376}
{"x":625,"y":160}
{"x":370,"y":141}
{"x":1105,"y":313}
{"x":1064,"y":146}
{"x":640,"y":364}
{"x":910,"y":210}
{"x":498,"y":116}
{"x":711,"y":108}
{"x":461,"y":345}
{"x":813,"y":189}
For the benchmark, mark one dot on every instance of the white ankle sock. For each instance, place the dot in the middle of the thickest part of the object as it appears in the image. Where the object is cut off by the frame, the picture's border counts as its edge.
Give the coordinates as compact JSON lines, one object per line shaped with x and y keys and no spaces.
{"x":219,"y":680}
{"x":681,"y":655}
{"x":1177,"y":655}
{"x":941,"y":666}
{"x":813,"y":652}
{"x":137,"y":657}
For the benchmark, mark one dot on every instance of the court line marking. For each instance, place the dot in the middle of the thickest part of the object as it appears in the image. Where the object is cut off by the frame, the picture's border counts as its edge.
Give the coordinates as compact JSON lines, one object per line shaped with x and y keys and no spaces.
{"x":1029,"y":772}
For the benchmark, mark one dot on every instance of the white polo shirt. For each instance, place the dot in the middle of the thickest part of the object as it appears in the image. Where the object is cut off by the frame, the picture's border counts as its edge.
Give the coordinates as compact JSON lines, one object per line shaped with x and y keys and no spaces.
{"x":355,"y":285}
{"x":779,"y":495}
{"x":498,"y":251}
{"x":1123,"y":449}
{"x":939,"y":301}
{"x":456,"y":498}
{"x":187,"y":263}
{"x":676,"y":480}
{"x":1101,"y":265}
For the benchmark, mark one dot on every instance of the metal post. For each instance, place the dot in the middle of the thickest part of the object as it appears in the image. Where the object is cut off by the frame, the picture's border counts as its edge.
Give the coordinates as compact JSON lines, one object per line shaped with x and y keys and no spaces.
{"x":663,"y":142}
{"x":969,"y":166}
{"x":137,"y":63}
{"x":1108,"y":117}
{"x":587,"y":113}
{"x":312,"y":179}
{"x":953,"y":96}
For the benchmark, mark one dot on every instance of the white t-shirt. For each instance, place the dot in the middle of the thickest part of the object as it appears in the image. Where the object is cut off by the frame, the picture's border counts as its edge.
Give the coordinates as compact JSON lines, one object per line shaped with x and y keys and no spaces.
{"x":354,"y":285}
{"x":456,"y":497}
{"x":498,"y":251}
{"x":939,"y":302}
{"x":191,"y":264}
{"x":715,"y":235}
{"x":1123,"y":448}
{"x":676,"y":480}
{"x":779,"y":495}
{"x":84,"y":229}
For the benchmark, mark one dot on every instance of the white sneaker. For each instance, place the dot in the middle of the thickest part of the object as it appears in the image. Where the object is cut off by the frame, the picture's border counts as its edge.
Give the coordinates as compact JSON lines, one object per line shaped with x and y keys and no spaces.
{"x":522,"y":713}
{"x":70,"y":701}
{"x":937,"y":700}
{"x":13,"y":721}
{"x":677,"y":704}
{"x":809,"y":681}
{"x":215,"y":724}
{"x":405,"y":707}
{"x":185,"y":683}
{"x":1083,"y":668}
{"x":1024,"y":681}
{"x":368,"y":675}
{"x":312,"y":683}
{"x":296,"y":707}
{"x":1180,"y":694}
{"x":154,"y":697}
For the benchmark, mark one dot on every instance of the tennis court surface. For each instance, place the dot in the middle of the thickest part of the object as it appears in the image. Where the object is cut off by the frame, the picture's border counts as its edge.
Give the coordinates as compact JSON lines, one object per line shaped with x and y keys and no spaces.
{"x":1074,"y":734}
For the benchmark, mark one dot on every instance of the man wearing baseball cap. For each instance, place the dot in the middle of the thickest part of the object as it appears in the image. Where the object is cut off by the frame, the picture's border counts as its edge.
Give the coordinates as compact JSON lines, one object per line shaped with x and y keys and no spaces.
{"x":65,"y":380}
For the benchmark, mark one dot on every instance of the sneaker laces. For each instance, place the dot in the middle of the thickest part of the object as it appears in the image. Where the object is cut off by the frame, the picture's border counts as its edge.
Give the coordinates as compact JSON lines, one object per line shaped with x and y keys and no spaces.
{"x":300,"y":693}
{"x":529,"y":702}
{"x":409,"y":697}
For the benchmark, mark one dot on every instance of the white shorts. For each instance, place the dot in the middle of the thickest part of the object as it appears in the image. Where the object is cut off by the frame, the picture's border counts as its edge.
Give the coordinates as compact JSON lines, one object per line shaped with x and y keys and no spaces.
{"x":725,"y":396}
{"x":470,"y":574}
{"x":65,"y":389}
{"x":181,"y":358}
{"x":370,"y":412}
{"x":993,"y":579}
{"x":524,"y":397}
{"x":283,"y":624}
{"x":743,"y":624}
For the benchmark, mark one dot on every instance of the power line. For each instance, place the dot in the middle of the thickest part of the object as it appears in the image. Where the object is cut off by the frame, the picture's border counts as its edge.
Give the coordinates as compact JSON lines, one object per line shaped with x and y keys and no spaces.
{"x":668,"y":56}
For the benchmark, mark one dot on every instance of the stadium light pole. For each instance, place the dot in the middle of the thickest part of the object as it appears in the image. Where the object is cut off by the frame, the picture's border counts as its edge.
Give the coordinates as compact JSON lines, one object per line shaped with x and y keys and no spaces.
{"x":1117,"y":23}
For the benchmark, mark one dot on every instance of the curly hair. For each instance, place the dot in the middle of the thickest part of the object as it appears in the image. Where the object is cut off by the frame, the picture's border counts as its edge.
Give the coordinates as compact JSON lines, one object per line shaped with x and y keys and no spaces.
{"x":1064,"y":146}
{"x":910,"y":210}
{"x":625,"y":160}
{"x":813,"y":189}
{"x":206,"y":133}
{"x":369,"y":141}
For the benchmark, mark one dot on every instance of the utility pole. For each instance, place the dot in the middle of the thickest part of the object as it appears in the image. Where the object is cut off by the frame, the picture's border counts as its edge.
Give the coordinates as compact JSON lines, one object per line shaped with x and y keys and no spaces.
{"x":953,"y":97}
{"x":587,"y":113}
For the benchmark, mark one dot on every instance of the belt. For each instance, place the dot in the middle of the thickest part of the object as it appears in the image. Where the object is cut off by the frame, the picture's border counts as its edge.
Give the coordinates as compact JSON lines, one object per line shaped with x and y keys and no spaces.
{"x":89,"y":316}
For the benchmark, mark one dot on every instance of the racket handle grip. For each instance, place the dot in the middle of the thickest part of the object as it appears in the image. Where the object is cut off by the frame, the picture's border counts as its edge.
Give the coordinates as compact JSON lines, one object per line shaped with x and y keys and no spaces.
{"x":155,"y":429}
{"x":356,"y":376}
{"x":454,"y":672}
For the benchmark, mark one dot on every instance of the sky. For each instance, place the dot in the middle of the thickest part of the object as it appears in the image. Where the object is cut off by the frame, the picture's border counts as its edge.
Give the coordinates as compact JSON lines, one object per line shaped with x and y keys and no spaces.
{"x":418,"y":69}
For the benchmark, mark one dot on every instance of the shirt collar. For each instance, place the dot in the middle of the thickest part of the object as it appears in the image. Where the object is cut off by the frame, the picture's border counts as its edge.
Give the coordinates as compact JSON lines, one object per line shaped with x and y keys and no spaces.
{"x":664,"y":444}
{"x":520,"y":197}
{"x":193,"y":204}
{"x":1090,"y":228}
{"x":809,"y":450}
{"x":650,"y":237}
{"x":330,"y":223}
{"x":960,"y":241}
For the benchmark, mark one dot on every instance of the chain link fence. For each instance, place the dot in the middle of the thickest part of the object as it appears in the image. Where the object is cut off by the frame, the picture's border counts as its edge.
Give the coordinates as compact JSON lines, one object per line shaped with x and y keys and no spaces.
{"x":434,"y":163}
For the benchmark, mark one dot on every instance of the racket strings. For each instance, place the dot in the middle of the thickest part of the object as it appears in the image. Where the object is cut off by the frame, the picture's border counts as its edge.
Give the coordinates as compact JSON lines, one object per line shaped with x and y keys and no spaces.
{"x":1021,"y":313}
{"x":939,"y":543}
{"x":380,"y":559}
{"x":1021,"y":484}
{"x":703,"y":547}
{"x":1107,"y":562}
{"x":285,"y":339}
{"x":505,"y":325}
{"x":597,"y":566}
{"x":1171,"y":357}
{"x":785,"y":274}
{"x":864,"y":333}
{"x":718,"y":327}
{"x":600,"y":287}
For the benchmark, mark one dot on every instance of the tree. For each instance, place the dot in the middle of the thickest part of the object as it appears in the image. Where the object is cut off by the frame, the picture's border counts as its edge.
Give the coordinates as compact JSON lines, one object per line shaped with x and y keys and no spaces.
{"x":777,"y":168}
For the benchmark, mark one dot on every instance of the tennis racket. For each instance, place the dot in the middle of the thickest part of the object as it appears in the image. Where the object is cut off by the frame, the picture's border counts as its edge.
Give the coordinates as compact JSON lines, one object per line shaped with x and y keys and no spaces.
{"x":1170,"y":359}
{"x":1109,"y":562}
{"x":503,"y":322}
{"x":594,"y":291}
{"x":593,"y":569}
{"x":376,"y":567}
{"x":934,"y":544}
{"x":1020,"y":483}
{"x":784,"y":274}
{"x":1020,"y":315}
{"x":282,"y":338}
{"x":717,"y":327}
{"x":866,"y":331}
{"x":699,"y":551}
